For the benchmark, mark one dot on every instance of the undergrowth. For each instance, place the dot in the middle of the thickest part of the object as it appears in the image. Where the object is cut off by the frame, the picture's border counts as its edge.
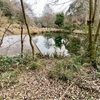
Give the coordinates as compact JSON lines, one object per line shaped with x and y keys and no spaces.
{"x":11,"y":67}
{"x":64,"y":69}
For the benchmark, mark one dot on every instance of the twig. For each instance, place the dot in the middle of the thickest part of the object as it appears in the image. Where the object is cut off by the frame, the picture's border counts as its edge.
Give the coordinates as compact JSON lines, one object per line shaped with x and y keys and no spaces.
{"x":11,"y":45}
{"x":67,"y":90}
{"x":37,"y":47}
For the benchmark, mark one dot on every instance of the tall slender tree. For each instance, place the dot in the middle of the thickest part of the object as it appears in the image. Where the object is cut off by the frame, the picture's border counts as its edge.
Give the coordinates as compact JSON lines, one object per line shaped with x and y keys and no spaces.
{"x":89,"y":22}
{"x":30,"y":38}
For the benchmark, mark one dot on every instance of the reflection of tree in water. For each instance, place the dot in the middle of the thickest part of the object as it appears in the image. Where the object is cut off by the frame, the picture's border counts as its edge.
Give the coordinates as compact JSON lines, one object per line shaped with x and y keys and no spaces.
{"x":48,"y":43}
{"x":57,"y":38}
{"x":55,"y":35}
{"x":48,"y":36}
{"x":58,"y":41}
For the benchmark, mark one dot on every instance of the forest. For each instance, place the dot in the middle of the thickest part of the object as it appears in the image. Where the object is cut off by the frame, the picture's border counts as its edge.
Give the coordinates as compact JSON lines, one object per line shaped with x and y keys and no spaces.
{"x":50,"y":55}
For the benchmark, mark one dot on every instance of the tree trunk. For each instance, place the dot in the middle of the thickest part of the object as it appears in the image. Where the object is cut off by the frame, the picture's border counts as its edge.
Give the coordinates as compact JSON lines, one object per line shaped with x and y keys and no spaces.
{"x":97,"y":33}
{"x":92,"y":44}
{"x":95,"y":47}
{"x":94,"y":12}
{"x":89,"y":22}
{"x":30,"y":38}
{"x":21,"y":41}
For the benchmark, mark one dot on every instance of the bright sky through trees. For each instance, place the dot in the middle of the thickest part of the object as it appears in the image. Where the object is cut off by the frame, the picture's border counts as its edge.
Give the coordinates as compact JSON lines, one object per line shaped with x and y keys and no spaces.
{"x":38,"y":5}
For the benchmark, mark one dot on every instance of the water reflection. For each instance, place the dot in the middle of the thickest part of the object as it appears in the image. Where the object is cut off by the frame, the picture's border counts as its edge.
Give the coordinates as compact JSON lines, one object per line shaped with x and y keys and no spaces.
{"x":48,"y":43}
{"x":47,"y":46}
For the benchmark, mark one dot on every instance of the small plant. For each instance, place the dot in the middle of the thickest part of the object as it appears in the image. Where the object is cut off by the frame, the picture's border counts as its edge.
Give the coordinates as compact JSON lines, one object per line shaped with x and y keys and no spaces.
{"x":8,"y":78}
{"x":88,"y":98}
{"x":74,"y":45}
{"x":98,"y":74}
{"x":57,"y":55}
{"x":8,"y":63}
{"x":61,"y":72}
{"x":34,"y":65}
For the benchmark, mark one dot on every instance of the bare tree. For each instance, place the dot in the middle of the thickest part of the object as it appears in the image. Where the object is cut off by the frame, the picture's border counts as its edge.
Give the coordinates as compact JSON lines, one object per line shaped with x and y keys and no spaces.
{"x":17,"y":11}
{"x":48,"y":18}
{"x":30,"y":38}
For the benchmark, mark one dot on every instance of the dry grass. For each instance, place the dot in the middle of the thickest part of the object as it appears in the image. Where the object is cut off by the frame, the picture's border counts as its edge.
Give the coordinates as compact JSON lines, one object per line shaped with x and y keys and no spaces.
{"x":15,"y":29}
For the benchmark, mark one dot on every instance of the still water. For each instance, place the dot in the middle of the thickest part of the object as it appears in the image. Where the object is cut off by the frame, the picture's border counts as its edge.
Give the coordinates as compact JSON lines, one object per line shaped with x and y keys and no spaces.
{"x":12,"y":45}
{"x":47,"y":46}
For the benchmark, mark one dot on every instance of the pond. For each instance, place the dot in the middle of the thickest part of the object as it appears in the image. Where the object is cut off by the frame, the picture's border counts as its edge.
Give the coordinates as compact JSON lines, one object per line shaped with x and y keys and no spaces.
{"x":11,"y":45}
{"x":48,"y":44}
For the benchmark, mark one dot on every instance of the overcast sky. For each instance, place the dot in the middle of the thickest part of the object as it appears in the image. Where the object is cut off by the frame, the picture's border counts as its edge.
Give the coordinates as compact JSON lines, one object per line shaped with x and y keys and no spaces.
{"x":38,"y":5}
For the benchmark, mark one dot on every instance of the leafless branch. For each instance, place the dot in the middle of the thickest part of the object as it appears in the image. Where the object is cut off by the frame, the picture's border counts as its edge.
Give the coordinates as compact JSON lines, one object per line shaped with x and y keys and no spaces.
{"x":1,"y":41}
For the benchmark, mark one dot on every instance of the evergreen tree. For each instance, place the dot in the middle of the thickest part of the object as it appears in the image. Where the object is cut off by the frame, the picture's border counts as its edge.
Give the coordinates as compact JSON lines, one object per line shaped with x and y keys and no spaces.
{"x":60,"y":19}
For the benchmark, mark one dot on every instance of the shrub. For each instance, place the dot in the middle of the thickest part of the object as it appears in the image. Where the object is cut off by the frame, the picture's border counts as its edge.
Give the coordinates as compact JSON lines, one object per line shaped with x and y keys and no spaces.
{"x":34,"y":65}
{"x":74,"y":45}
{"x":64,"y":69}
{"x":6,"y":9}
{"x":9,"y":63}
{"x":60,"y":72}
{"x":70,"y":27}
